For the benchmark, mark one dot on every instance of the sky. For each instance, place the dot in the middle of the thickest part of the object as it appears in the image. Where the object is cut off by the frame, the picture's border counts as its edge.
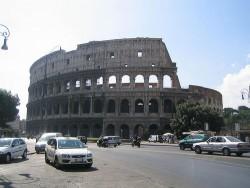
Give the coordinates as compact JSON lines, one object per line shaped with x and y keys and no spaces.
{"x":208,"y":39}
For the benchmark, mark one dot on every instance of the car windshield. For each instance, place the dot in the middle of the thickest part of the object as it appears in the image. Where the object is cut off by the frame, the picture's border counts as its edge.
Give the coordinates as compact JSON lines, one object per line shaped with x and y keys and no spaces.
{"x":70,"y":144}
{"x":233,"y":139}
{"x":5,"y":142}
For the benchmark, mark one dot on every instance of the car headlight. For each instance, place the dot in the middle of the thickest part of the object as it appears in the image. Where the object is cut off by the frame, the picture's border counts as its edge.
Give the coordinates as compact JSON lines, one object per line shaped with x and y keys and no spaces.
{"x":89,"y":155}
{"x":65,"y":156}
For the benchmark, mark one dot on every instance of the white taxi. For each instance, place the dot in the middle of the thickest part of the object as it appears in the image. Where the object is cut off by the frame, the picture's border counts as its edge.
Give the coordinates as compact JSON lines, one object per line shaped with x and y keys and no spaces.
{"x":67,"y":151}
{"x":11,"y":148}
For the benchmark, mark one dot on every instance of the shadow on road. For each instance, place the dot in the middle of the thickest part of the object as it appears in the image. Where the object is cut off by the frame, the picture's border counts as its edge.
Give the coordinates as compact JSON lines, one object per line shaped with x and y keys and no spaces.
{"x":18,"y":160}
{"x":78,"y":169}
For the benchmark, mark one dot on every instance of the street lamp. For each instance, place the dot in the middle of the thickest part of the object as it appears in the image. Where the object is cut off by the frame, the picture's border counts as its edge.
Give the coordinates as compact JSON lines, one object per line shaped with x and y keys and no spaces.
{"x":5,"y":32}
{"x":245,"y":92}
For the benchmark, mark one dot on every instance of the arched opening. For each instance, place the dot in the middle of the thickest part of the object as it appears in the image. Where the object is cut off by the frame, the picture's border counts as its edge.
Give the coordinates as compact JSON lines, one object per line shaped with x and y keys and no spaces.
{"x":111,"y":106}
{"x":97,"y":131}
{"x":124,"y":131}
{"x":139,"y":106}
{"x":110,"y":130}
{"x":125,"y":81}
{"x":99,"y":82}
{"x":86,"y":106}
{"x":168,"y":106}
{"x":153,"y":106}
{"x":88,"y":84}
{"x":153,"y":82}
{"x":139,"y":81}
{"x":112,"y":81}
{"x":125,"y":106}
{"x":84,"y":130}
{"x":75,"y":107}
{"x":98,"y":106}
{"x":153,"y":129}
{"x":139,"y":130}
{"x":167,"y":82}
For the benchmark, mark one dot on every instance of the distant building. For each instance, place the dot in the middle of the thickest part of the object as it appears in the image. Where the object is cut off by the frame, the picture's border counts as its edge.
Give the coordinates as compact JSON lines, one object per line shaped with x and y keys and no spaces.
{"x":18,"y":127}
{"x":115,"y":87}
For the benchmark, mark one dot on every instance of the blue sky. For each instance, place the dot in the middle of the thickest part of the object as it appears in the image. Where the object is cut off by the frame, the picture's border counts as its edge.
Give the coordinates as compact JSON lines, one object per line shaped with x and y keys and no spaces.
{"x":209,"y":40}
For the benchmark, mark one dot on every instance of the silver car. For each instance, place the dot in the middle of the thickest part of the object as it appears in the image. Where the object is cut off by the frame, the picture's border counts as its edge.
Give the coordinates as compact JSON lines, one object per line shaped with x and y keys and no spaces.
{"x":224,"y":144}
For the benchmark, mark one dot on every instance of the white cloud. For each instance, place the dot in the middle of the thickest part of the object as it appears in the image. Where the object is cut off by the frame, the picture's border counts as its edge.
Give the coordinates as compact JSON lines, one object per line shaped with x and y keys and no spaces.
{"x":232,"y":86}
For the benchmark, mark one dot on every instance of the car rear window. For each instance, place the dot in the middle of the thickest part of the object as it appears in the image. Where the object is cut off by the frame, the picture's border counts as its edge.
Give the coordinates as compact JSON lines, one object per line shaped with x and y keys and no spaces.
{"x":233,"y":139}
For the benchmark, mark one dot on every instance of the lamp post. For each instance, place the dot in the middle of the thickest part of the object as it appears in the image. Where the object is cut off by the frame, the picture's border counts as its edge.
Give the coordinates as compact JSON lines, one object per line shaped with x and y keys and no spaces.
{"x":245,"y":92}
{"x":5,"y":32}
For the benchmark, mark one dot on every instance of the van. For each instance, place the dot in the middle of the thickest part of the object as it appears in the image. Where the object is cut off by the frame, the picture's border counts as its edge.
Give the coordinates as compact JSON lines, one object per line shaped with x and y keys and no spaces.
{"x":42,"y":141}
{"x":155,"y":138}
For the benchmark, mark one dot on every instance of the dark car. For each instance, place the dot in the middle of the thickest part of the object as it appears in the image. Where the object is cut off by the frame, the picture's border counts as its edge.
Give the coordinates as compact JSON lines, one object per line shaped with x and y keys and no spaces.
{"x":189,"y":140}
{"x":83,"y":139}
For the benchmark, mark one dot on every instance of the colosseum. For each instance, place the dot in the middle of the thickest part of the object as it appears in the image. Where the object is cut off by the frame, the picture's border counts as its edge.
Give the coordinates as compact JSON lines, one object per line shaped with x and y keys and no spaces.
{"x":113,"y":87}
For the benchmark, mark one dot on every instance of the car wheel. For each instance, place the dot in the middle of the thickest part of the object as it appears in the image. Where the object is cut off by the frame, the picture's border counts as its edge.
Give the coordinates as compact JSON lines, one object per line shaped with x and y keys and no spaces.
{"x":8,"y":158}
{"x":46,"y":159}
{"x":88,"y":165}
{"x":24,"y":156}
{"x":56,"y":163}
{"x":198,"y":150}
{"x":182,"y":147}
{"x":37,"y":152}
{"x":226,"y":152}
{"x":239,"y":154}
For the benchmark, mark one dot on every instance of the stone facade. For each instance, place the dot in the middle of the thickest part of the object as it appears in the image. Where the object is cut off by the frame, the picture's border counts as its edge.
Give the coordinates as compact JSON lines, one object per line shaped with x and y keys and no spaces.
{"x":114,"y":87}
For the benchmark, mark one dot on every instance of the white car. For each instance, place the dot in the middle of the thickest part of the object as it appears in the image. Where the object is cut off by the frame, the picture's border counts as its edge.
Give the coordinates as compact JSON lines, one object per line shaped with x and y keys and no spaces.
{"x":224,"y":144}
{"x":11,"y":148}
{"x":67,"y":151}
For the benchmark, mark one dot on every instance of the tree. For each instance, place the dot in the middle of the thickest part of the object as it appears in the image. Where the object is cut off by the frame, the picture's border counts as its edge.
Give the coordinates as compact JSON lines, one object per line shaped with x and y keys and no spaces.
{"x":8,"y":107}
{"x":193,"y":116}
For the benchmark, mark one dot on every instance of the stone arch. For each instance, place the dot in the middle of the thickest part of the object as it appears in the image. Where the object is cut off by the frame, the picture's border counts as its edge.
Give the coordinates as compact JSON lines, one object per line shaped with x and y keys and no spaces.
{"x":153,"y":129}
{"x":139,"y":130}
{"x":124,"y":131}
{"x":167,"y":81}
{"x":125,"y":80}
{"x":153,"y":106}
{"x":99,"y":82}
{"x":139,"y":81}
{"x":153,"y":82}
{"x":124,"y":106}
{"x":111,"y":106}
{"x":88,"y":84}
{"x":98,"y":106}
{"x":168,"y":106}
{"x":110,"y":130}
{"x":112,"y":81}
{"x":97,"y":130}
{"x":139,"y":106}
{"x":86,"y":106}
{"x":84,"y":130}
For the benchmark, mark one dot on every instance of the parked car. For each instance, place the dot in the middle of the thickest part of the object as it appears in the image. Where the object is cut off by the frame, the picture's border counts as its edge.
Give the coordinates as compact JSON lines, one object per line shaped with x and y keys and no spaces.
{"x":42,"y":141}
{"x":223,"y":144}
{"x":106,"y":141}
{"x":67,"y":151}
{"x":11,"y":148}
{"x":189,"y":140}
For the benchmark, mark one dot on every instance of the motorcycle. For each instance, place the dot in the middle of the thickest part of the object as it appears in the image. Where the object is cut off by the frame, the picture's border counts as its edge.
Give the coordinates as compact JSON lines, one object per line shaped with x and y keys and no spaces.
{"x":136,"y":142}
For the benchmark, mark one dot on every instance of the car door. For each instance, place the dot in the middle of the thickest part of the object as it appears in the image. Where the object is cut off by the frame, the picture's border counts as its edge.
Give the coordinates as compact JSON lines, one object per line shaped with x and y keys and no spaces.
{"x":209,"y":145}
{"x":22,"y":146}
{"x":53,"y":148}
{"x":15,"y":150}
{"x":218,"y":145}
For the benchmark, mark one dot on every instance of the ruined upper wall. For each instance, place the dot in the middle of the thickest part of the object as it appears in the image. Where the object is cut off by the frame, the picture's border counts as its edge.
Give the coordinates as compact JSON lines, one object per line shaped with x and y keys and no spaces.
{"x":118,"y":53}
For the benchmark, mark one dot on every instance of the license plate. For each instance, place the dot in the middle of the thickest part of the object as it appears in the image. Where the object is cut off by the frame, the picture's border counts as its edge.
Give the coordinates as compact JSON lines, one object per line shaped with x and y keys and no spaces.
{"x":77,"y":160}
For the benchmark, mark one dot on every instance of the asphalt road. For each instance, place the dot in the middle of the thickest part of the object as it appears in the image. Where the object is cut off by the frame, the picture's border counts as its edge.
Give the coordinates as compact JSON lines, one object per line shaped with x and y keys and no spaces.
{"x":124,"y":166}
